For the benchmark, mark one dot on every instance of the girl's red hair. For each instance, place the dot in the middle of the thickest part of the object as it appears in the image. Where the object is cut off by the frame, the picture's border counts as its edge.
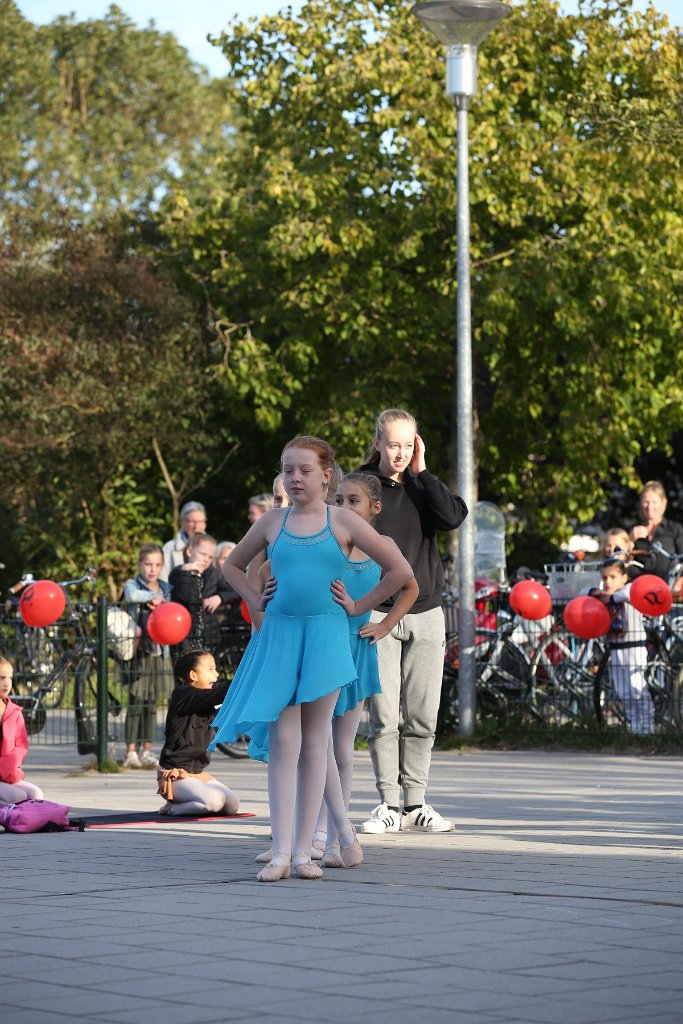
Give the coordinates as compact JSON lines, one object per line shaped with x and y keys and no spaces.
{"x":322,"y":449}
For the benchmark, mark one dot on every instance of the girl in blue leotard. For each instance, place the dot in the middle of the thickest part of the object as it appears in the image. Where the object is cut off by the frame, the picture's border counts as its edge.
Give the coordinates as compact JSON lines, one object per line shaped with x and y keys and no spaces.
{"x":301,"y":656}
{"x":360,"y":493}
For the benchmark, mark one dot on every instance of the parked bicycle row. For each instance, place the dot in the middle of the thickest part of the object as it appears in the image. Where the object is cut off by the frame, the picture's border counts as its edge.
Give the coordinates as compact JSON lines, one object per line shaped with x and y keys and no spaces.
{"x":534,"y":669}
{"x":628,"y":674}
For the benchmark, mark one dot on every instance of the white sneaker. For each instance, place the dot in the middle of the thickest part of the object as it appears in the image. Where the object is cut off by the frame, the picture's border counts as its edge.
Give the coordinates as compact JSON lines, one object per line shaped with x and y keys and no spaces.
{"x":424,"y":819}
{"x":148,"y":760}
{"x":382,"y":819}
{"x":132,"y":760}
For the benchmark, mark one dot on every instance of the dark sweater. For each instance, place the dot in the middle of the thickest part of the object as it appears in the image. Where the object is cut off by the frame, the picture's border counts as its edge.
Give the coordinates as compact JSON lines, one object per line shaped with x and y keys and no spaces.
{"x":670,"y":535}
{"x":188,"y":728}
{"x":412,"y":512}
{"x":190,"y":589}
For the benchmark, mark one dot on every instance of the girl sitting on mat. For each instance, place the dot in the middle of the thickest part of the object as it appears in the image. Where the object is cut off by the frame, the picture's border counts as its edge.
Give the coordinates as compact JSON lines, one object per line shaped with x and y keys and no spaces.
{"x":183,"y":780}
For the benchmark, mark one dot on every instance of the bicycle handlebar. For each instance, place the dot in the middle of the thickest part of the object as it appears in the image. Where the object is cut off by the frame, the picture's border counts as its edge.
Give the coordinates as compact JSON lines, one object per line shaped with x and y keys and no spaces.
{"x":88,"y":577}
{"x":672,"y":556}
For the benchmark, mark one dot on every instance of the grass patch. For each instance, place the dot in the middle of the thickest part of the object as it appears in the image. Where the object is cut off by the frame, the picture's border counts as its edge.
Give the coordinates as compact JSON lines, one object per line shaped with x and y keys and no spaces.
{"x":493,"y":734}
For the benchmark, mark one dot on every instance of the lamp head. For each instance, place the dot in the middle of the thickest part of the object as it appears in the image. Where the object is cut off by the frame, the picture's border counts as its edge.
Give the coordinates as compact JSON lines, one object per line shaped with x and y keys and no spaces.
{"x":461,"y":25}
{"x":461,"y":22}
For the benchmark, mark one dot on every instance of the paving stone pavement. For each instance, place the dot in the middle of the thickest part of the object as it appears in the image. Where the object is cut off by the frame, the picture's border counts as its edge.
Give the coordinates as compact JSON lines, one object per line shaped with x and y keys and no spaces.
{"x":558,"y":899}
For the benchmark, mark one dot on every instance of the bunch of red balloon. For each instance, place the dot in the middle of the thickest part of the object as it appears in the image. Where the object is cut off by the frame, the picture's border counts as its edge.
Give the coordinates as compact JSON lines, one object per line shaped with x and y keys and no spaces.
{"x":587,"y":618}
{"x":651,"y":595}
{"x":169,"y":623}
{"x":530,"y":599}
{"x":42,"y":603}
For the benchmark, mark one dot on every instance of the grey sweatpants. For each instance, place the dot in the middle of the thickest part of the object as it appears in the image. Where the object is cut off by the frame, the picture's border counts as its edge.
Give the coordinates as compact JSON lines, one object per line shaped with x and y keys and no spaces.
{"x":410,"y":671}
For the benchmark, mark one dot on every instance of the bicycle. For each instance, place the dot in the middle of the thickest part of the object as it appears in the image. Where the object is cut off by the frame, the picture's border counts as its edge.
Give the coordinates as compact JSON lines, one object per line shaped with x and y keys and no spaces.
{"x":235,"y":636}
{"x":32,"y":651}
{"x":78,"y":665}
{"x":503,"y":664}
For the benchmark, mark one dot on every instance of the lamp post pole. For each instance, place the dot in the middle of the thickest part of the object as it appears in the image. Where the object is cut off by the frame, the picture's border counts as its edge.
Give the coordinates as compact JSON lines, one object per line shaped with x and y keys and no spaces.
{"x":461,"y":25}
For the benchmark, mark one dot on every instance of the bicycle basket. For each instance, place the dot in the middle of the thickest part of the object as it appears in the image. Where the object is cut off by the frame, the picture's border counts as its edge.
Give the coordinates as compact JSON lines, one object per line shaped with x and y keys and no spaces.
{"x":567,"y":579}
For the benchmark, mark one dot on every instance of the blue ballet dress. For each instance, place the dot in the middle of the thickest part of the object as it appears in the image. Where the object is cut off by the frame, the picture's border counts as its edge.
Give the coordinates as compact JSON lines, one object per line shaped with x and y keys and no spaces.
{"x":302,"y":650}
{"x":361,"y":577}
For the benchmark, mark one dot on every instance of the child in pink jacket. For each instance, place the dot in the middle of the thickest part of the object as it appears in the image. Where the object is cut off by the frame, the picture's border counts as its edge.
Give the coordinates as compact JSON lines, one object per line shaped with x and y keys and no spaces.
{"x":13,"y":746}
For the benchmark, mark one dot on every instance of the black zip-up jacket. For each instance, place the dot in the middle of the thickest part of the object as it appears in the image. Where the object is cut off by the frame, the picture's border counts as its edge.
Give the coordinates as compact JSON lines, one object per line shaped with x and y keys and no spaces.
{"x":190,"y":589}
{"x":412,"y":513}
{"x":669,"y":534}
{"x":188,"y":727}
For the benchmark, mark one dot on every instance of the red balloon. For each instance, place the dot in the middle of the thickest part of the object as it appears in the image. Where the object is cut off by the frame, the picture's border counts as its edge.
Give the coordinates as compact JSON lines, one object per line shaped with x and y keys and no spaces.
{"x":42,"y":603}
{"x":530,"y":599}
{"x":651,"y":595}
{"x":169,"y":623}
{"x":586,"y":617}
{"x":244,"y":611}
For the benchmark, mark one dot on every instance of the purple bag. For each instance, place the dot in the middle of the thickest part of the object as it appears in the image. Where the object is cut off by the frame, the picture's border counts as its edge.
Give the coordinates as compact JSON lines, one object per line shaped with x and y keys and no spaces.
{"x":35,"y":816}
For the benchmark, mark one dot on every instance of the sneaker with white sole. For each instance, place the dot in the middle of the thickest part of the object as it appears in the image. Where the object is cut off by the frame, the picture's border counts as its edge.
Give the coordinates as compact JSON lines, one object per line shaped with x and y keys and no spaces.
{"x":382,"y":819}
{"x":132,"y":760}
{"x":424,"y":819}
{"x":148,"y":760}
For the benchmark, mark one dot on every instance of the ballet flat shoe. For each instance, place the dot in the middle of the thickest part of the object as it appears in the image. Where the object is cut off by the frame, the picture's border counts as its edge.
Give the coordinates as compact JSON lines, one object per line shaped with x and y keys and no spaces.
{"x":278,"y":868}
{"x":267,"y":855}
{"x":352,"y":855}
{"x":303,"y":867}
{"x":332,"y":857}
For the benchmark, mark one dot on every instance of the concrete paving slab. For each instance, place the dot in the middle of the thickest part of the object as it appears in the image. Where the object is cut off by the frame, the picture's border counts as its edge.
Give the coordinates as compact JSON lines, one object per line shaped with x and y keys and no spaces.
{"x":558,"y":898}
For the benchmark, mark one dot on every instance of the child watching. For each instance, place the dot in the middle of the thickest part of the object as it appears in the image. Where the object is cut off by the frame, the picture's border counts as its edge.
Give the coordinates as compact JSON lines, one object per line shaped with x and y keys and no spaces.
{"x":627,"y":643}
{"x":201,"y":588}
{"x":151,"y":669}
{"x":183,"y":780}
{"x":14,"y":788}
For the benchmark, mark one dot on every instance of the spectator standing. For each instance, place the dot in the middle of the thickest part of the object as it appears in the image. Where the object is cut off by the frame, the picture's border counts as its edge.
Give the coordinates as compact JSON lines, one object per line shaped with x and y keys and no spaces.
{"x":151,"y":673}
{"x":259,"y":504}
{"x":192,"y":519}
{"x":654,"y":527}
{"x":415,"y":505}
{"x":202,"y":589}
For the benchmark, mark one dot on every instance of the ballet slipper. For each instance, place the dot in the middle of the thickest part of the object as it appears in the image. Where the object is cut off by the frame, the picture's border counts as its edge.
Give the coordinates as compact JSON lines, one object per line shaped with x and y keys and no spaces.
{"x":303,"y":867}
{"x":278,"y":868}
{"x":266,"y":856}
{"x":332,"y":857}
{"x":351,"y":851}
{"x":319,"y":840}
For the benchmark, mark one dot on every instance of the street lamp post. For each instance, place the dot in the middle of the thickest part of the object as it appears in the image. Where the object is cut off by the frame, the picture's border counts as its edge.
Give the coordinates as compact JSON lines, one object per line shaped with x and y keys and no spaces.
{"x":461,"y":25}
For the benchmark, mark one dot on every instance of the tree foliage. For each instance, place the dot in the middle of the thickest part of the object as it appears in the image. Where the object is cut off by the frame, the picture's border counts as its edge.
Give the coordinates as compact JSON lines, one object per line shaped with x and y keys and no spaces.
{"x":333,"y":240}
{"x":105,"y":376}
{"x":97,"y":116}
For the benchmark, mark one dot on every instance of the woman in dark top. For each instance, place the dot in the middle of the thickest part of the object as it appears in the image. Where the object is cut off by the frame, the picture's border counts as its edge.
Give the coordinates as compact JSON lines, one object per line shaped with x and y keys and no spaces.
{"x":183,"y":780}
{"x":654,"y":527}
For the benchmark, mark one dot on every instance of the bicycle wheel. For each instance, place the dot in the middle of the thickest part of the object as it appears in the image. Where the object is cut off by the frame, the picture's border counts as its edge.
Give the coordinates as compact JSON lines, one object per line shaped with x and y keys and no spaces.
{"x":504,"y":681}
{"x":545,"y":692}
{"x":448,"y":719}
{"x":237,"y":749}
{"x":34,"y":714}
{"x":663,"y":675}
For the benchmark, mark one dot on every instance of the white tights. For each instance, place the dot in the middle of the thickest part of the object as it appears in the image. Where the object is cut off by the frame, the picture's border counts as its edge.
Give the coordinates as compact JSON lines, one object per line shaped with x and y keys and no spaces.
{"x":193,"y":796}
{"x":16,"y":792}
{"x":296,"y":773}
{"x":339,"y":779}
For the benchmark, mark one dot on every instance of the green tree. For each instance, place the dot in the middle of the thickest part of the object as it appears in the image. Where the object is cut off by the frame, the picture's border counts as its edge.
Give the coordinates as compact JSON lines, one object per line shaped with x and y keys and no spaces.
{"x":96,"y":116}
{"x":108,"y":400}
{"x":330,"y":244}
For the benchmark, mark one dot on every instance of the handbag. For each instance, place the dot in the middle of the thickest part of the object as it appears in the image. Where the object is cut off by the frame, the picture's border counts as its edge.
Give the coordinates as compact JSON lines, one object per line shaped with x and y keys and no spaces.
{"x":35,"y":816}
